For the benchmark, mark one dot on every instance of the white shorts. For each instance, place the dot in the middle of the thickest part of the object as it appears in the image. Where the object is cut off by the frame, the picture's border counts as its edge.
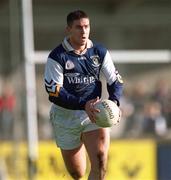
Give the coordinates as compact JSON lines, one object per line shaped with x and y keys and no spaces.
{"x":68,"y":125}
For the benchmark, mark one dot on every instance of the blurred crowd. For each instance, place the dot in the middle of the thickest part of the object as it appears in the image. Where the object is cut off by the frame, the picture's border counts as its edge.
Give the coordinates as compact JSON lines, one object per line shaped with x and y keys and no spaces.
{"x":146,"y":112}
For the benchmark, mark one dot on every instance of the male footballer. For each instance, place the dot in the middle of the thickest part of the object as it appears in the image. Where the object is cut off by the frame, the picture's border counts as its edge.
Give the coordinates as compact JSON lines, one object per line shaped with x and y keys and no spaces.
{"x":72,"y":81}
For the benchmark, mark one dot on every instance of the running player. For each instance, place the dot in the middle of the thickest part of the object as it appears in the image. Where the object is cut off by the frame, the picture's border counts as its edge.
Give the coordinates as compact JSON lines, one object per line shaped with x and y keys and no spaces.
{"x":72,"y":80}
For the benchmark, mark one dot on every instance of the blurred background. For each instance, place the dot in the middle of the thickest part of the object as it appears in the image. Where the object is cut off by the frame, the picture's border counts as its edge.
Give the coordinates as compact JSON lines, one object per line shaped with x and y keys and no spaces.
{"x":146,"y":103}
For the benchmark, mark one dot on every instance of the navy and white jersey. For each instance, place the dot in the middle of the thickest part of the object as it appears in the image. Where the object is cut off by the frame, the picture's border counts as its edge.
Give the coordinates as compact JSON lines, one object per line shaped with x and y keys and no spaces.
{"x":72,"y":79}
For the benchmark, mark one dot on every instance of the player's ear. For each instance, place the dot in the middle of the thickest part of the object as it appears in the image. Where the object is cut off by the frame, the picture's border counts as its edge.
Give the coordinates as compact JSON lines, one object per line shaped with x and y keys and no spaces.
{"x":68,"y":30}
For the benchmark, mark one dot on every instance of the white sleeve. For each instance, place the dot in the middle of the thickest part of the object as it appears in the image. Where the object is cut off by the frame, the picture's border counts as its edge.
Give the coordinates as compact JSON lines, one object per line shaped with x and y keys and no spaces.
{"x":53,"y":72}
{"x":108,"y":69}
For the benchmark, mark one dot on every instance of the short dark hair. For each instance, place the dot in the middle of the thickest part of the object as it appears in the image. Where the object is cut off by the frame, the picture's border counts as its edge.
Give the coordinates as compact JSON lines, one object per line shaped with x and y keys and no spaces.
{"x":75,"y":15}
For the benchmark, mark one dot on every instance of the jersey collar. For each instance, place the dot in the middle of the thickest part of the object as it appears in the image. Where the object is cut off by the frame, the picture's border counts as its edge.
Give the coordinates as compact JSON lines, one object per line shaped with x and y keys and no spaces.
{"x":67,"y":46}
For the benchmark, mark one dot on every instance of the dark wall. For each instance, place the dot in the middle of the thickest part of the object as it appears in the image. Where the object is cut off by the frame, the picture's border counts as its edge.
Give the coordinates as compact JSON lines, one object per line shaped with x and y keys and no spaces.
{"x":131,"y":24}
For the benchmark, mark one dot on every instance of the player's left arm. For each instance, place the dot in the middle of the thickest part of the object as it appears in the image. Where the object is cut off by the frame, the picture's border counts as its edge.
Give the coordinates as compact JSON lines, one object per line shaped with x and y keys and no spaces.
{"x":113,"y":78}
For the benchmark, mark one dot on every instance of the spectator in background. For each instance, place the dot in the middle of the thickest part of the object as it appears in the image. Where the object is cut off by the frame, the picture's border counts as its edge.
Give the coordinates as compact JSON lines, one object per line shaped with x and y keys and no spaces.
{"x":145,"y":113}
{"x":154,"y":122}
{"x":162,"y":94}
{"x":138,"y":97}
{"x":7,"y":105}
{"x":124,"y":128}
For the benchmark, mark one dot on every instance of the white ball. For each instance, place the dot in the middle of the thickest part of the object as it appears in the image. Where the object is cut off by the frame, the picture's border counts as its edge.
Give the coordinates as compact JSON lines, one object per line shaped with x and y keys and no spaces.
{"x":109,"y":114}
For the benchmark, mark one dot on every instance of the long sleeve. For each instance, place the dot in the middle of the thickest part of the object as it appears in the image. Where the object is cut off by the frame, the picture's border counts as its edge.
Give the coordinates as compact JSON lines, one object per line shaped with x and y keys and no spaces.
{"x":114,"y":80}
{"x":58,"y":95}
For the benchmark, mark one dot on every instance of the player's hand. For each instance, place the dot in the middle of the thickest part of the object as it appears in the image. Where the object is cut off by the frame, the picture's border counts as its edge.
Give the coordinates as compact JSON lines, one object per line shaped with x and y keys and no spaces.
{"x":91,"y":110}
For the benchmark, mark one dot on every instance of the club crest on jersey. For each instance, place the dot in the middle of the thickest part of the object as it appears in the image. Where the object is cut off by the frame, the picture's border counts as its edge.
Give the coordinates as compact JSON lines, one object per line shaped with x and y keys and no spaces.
{"x":95,"y":60}
{"x":69,"y":65}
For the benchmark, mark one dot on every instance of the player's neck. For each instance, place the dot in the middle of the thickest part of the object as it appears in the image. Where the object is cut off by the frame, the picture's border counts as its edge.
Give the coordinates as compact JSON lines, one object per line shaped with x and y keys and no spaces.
{"x":78,"y":49}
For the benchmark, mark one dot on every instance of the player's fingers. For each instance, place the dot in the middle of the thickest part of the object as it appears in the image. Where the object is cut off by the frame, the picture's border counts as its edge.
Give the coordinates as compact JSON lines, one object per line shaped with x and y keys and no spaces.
{"x":97,"y":98}
{"x":96,"y":110}
{"x":91,"y":109}
{"x":95,"y":102}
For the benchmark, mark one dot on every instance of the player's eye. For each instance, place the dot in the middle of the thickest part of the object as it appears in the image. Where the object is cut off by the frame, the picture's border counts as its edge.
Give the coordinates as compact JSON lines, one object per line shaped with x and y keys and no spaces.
{"x":86,"y":26}
{"x":79,"y":27}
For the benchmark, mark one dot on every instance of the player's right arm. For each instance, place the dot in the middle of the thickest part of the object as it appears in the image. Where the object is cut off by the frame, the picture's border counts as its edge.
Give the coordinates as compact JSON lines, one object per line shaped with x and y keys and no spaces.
{"x":58,"y":95}
{"x":114,"y":80}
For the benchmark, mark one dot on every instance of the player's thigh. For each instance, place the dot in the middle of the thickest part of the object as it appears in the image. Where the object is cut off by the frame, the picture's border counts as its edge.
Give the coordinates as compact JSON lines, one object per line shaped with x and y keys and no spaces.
{"x":97,"y":145}
{"x":75,"y":160}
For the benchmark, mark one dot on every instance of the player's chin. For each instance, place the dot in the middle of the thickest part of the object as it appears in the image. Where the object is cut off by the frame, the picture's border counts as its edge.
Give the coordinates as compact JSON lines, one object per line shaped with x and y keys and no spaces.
{"x":83,"y":41}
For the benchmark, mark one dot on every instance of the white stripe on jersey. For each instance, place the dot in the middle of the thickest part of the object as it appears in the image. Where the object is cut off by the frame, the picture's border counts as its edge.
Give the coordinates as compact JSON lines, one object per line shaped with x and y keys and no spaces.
{"x":52,"y":89}
{"x":108,"y":69}
{"x":53,"y":72}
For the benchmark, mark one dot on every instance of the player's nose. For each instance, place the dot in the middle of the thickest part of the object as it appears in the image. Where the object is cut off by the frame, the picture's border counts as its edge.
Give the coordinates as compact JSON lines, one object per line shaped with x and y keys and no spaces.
{"x":83,"y":30}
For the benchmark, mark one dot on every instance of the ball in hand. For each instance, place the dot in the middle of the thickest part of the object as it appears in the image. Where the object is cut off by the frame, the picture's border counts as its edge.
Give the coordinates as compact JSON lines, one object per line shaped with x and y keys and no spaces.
{"x":109,"y":114}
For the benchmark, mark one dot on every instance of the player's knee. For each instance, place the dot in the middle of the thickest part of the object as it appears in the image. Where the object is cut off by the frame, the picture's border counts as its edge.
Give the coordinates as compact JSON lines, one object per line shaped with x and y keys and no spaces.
{"x":77,"y":174}
{"x":101,"y":157}
{"x":102,"y":160}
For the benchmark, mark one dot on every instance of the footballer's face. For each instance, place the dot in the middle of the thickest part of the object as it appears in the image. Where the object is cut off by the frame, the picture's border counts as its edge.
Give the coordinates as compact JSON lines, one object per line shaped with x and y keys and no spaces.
{"x":79,"y":32}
